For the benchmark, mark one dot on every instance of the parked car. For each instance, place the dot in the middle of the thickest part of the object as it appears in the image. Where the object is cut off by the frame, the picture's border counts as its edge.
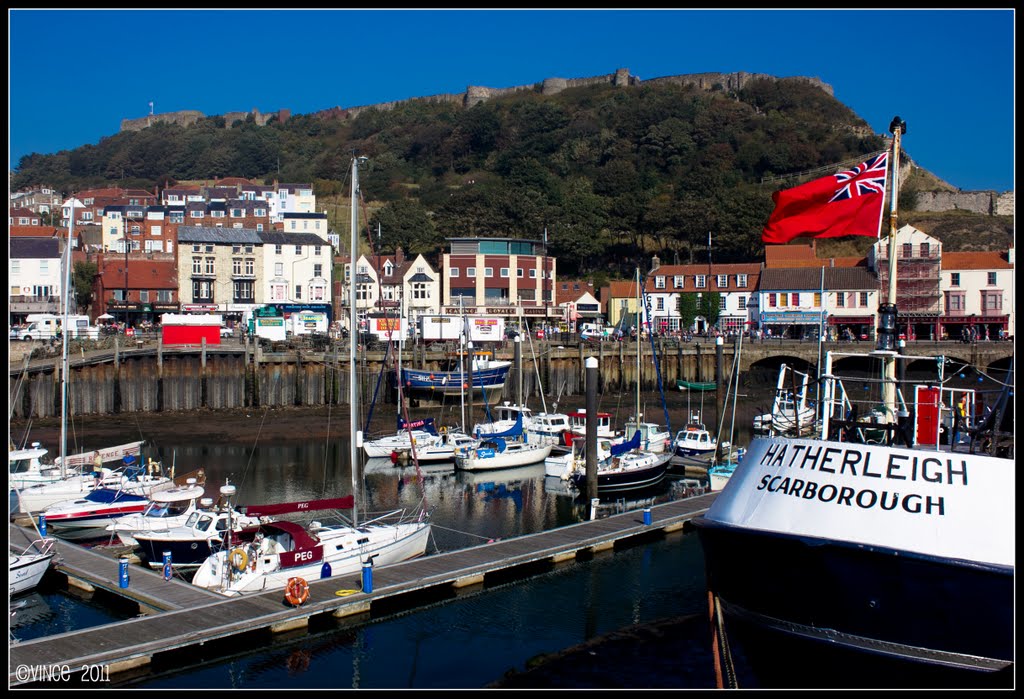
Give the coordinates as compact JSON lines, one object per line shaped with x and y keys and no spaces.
{"x":226,"y":331}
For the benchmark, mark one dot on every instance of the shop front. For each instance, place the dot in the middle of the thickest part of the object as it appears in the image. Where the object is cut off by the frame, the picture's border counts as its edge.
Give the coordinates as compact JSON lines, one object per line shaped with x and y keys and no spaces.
{"x":856,"y":328}
{"x":791,"y":325}
{"x":972,"y":328}
{"x":140,"y":315}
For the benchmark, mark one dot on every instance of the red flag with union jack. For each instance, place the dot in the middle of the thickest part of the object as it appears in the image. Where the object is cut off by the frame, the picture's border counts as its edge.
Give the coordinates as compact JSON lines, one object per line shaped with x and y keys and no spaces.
{"x":847,"y":203}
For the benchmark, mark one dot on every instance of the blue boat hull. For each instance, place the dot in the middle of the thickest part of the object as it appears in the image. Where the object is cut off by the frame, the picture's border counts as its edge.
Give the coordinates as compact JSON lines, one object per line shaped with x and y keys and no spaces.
{"x":879,"y":617}
{"x":450,"y":383}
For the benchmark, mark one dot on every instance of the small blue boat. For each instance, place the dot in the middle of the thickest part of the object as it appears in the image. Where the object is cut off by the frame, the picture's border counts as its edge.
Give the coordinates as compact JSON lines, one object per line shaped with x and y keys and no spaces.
{"x":488,"y":378}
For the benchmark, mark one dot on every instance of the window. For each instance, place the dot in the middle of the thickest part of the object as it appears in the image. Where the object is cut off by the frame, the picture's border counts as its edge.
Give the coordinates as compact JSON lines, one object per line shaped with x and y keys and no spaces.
{"x":701,"y":281}
{"x":470,"y":271}
{"x":196,"y":213}
{"x":924,"y":250}
{"x":244,"y":291}
{"x":794,"y":299}
{"x":840,"y":299}
{"x":278,"y":269}
{"x":659,"y":282}
{"x":316,"y":251}
{"x":144,"y":296}
{"x":741,"y":281}
{"x":236,"y":265}
{"x":236,"y":249}
{"x":156,"y":230}
{"x":419,"y":291}
{"x":908,"y":249}
{"x":209,"y":265}
{"x":722,"y":281}
{"x":197,"y":265}
{"x":209,"y":248}
{"x":519,"y":272}
{"x":196,"y":248}
{"x":277,"y":249}
{"x":236,"y":213}
{"x":202,"y":290}
{"x":817,"y":299}
{"x":119,"y":294}
{"x":453,"y":272}
{"x":783,"y":300}
{"x":721,"y":303}
{"x":250,"y":267}
{"x":298,"y":291}
{"x":318,"y":270}
{"x":954,"y":279}
{"x":164,"y":296}
{"x":991,"y":301}
{"x":488,"y":271}
{"x":677,"y":281}
{"x":15,"y":267}
{"x":661,"y":303}
{"x":742,"y":302}
{"x":863,"y":299}
{"x":955,"y":302}
{"x":528,"y":295}
{"x":44,"y":266}
{"x":293,"y":225}
{"x":991,"y":278}
{"x":533,"y":274}
{"x":298,"y":249}
{"x":504,"y":272}
{"x":259,"y":226}
{"x":771,"y":300}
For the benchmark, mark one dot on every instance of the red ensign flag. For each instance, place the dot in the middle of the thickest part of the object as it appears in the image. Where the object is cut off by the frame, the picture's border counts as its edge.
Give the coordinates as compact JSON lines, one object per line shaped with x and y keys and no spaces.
{"x":847,"y":203}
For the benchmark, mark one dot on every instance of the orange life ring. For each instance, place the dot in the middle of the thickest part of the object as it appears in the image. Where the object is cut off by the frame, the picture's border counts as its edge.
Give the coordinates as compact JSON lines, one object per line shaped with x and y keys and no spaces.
{"x":296,"y":591}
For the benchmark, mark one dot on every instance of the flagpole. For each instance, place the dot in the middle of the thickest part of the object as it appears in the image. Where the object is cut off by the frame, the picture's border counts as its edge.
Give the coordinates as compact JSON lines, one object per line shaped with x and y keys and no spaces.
{"x":887,"y":341}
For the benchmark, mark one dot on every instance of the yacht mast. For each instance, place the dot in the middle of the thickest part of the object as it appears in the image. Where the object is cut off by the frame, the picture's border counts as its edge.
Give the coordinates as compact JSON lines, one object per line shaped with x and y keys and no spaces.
{"x":65,"y":296}
{"x":887,"y":313}
{"x":356,"y":437}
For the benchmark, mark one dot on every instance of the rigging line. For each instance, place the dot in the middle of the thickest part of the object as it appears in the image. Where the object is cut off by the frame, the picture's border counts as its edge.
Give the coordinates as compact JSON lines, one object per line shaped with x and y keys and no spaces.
{"x":327,"y":443}
{"x":252,"y":453}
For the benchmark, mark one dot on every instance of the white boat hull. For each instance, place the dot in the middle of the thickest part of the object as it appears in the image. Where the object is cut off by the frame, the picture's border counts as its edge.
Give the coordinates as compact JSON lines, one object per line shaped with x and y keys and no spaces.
{"x":509,"y":458}
{"x":388,"y":544}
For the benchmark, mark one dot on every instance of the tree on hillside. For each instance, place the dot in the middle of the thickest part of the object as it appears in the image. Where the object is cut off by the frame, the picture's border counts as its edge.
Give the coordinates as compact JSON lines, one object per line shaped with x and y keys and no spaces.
{"x":404,"y":223}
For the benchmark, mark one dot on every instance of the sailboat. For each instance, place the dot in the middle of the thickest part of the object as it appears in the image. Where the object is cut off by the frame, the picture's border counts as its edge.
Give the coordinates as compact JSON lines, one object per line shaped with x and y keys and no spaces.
{"x":894,"y":561}
{"x":28,"y":566}
{"x":36,"y":485}
{"x":631,"y":464}
{"x":283,"y":550}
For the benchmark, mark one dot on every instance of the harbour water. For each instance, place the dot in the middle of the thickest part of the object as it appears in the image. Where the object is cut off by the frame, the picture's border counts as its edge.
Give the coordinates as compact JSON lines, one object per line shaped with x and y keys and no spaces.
{"x":648,"y":602}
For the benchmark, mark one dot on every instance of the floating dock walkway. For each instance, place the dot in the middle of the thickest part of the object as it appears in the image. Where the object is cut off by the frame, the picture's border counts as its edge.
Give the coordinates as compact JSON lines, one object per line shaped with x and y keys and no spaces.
{"x":181,"y":615}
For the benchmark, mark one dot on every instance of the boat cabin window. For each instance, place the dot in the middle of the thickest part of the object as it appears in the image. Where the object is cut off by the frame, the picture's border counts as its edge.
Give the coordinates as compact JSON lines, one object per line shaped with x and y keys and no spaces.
{"x":222,"y":524}
{"x":204,"y":523}
{"x":192,"y":519}
{"x":364,"y":540}
{"x":156,"y":509}
{"x":20,"y":465}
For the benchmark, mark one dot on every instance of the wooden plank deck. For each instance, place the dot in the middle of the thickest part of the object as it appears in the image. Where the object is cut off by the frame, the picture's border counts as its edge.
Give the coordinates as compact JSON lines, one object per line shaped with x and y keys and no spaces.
{"x":208,"y":616}
{"x":100,"y":571}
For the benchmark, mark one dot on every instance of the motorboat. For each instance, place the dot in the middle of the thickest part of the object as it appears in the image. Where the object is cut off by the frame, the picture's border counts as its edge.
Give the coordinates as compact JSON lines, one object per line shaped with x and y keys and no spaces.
{"x":449,"y":445}
{"x":578,"y":426}
{"x":538,"y":428}
{"x":488,"y":375}
{"x":131,"y":477}
{"x":694,"y":443}
{"x":652,"y":437}
{"x":29,"y":565}
{"x":204,"y":532}
{"x":27,"y":467}
{"x":166,"y":509}
{"x":721,"y":470}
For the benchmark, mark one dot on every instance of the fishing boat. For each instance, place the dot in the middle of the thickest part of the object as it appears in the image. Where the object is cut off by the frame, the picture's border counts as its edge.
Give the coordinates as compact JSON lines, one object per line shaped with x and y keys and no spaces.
{"x":893,"y":561}
{"x":791,"y":413}
{"x":694,"y":442}
{"x":284,"y":550}
{"x":166,"y":509}
{"x":488,"y":378}
{"x":29,"y":565}
{"x":684,"y":385}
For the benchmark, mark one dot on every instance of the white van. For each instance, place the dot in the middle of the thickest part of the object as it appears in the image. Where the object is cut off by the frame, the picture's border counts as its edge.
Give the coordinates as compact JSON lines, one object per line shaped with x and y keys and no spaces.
{"x":45,"y":326}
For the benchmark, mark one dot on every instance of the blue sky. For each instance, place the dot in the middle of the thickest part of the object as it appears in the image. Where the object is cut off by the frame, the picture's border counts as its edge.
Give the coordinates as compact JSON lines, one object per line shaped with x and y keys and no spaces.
{"x":74,"y":74}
